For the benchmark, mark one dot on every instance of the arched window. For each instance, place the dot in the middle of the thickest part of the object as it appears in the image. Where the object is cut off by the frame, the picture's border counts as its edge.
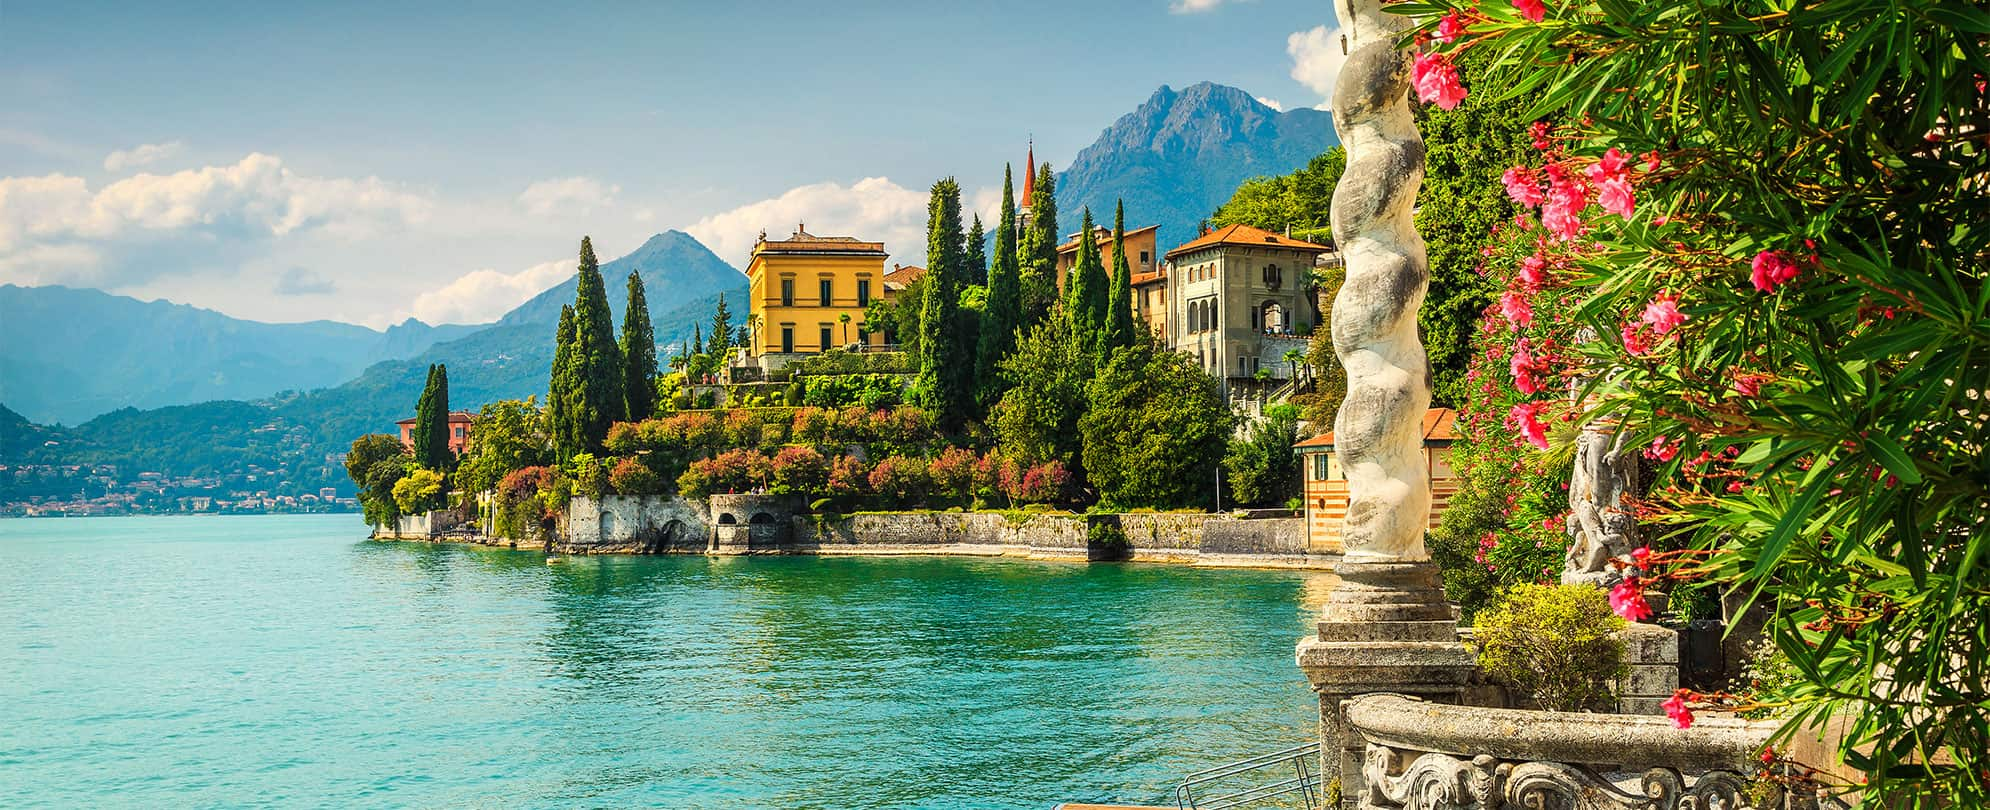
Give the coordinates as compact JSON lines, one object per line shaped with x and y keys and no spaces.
{"x":1275,"y":320}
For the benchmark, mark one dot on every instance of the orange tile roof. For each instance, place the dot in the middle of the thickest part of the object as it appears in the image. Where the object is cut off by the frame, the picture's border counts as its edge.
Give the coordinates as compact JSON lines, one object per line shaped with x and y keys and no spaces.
{"x":1140,"y":279}
{"x":804,"y":242}
{"x":1104,"y":237}
{"x":1439,"y":425}
{"x":904,"y":274}
{"x":1241,"y":234}
{"x":455,"y":417}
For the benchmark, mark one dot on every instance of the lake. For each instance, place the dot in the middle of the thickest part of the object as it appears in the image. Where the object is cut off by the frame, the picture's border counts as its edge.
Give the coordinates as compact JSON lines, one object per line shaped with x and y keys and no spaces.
{"x":284,"y":660}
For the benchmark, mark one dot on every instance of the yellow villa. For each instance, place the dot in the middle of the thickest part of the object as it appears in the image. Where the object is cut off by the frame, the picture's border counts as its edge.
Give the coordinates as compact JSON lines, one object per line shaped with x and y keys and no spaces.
{"x":807,"y":293}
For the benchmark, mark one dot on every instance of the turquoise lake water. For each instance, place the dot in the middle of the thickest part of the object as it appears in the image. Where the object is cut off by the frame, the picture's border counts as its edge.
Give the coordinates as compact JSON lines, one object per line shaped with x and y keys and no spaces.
{"x":284,"y":661}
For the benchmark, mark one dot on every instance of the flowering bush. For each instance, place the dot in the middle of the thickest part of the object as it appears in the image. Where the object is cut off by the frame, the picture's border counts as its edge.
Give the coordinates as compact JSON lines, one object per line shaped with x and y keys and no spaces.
{"x":632,"y":477}
{"x":953,"y":475}
{"x":737,"y":470}
{"x":799,"y":470}
{"x":900,"y":479}
{"x":517,"y":506}
{"x":1043,"y":483}
{"x":1769,"y":216}
{"x":849,"y":477}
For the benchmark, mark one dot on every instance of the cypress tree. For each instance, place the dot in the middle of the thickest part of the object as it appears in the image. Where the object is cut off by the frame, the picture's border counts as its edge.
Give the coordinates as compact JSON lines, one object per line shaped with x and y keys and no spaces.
{"x":946,"y":362}
{"x":977,"y":254}
{"x":1119,"y":299}
{"x":597,"y":361}
{"x":697,"y":339}
{"x":1004,"y":309}
{"x":638,"y":353}
{"x":1037,"y":253}
{"x":430,"y":435}
{"x":559,"y":421}
{"x":1085,"y":290}
{"x":721,"y":331}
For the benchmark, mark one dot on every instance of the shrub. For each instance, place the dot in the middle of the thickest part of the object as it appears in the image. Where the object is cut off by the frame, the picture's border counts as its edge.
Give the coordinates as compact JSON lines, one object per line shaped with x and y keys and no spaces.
{"x":1555,"y":643}
{"x":736,"y":470}
{"x":900,"y":479}
{"x":849,"y":477}
{"x":588,"y":474}
{"x":851,"y":389}
{"x":516,"y":507}
{"x":953,"y":475}
{"x":1043,"y":483}
{"x":800,"y":470}
{"x":632,"y":477}
{"x":418,"y":491}
{"x":812,"y":425}
{"x":992,"y":472}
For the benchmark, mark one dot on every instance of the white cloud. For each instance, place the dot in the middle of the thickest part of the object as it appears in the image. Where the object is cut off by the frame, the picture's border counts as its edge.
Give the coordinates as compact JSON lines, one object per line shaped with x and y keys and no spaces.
{"x":1195,"y":6}
{"x":219,"y":206}
{"x":566,"y":195}
{"x":141,"y":155}
{"x":484,"y":295}
{"x":1268,"y":101}
{"x":1316,"y":59}
{"x":872,"y":209}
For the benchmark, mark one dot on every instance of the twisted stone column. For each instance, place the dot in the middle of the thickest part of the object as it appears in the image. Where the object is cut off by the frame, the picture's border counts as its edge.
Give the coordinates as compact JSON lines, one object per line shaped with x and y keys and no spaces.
{"x":1379,"y":430}
{"x":1386,"y":627}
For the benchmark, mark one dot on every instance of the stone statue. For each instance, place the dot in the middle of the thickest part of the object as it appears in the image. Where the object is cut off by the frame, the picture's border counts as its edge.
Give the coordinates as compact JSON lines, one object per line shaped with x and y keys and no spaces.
{"x":1379,"y":429}
{"x":1600,"y":523}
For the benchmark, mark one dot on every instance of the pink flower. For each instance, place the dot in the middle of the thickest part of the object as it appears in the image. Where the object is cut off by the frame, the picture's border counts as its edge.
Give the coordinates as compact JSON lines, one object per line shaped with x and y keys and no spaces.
{"x":1635,"y":342}
{"x":1675,"y":708}
{"x":1533,"y":270}
{"x":1533,"y":10}
{"x":1567,"y":196}
{"x":1540,"y":129}
{"x":1661,"y":450}
{"x":1515,"y":307}
{"x":1772,"y":269}
{"x":1640,"y":554}
{"x":1748,"y":385}
{"x":1663,"y":314}
{"x":1526,"y":417}
{"x":1524,"y":366}
{"x":1615,"y":196}
{"x":1449,"y":28}
{"x":1627,"y":599}
{"x":1522,"y":185}
{"x":1436,"y":80}
{"x":1651,"y":161}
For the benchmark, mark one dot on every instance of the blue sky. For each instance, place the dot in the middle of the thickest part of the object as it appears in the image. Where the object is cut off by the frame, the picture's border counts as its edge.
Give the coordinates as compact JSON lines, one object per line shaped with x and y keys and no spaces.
{"x":367,"y":162}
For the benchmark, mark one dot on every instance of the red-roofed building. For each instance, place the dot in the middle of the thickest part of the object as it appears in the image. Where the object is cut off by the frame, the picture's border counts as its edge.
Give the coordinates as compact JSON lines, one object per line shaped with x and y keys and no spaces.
{"x":1326,"y":482}
{"x":1238,"y":301}
{"x":899,"y":277}
{"x":459,"y":431}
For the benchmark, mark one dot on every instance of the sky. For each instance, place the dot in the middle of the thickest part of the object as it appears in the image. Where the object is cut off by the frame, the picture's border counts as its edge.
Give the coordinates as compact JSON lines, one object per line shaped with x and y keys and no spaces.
{"x":370,"y":162}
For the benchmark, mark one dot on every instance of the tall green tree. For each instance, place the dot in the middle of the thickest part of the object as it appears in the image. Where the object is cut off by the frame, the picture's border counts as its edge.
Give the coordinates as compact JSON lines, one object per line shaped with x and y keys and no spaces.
{"x":436,"y":454}
{"x":1301,"y":201}
{"x":638,"y":354}
{"x":559,"y":391}
{"x":977,"y":254}
{"x":1003,"y":314}
{"x":1119,"y":329}
{"x":1037,"y":251}
{"x":427,"y":421}
{"x":508,"y":435}
{"x":1037,"y":418}
{"x":1263,"y":469}
{"x":721,"y":344}
{"x":597,"y":401}
{"x":946,"y":347}
{"x":1154,"y":429}
{"x":1085,"y":290}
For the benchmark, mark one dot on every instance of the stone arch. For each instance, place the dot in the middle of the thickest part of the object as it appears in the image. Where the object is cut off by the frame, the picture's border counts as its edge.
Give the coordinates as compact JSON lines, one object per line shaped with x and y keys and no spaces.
{"x":761,"y":519}
{"x":608,"y":526}
{"x":1275,"y":319}
{"x":726,"y":519}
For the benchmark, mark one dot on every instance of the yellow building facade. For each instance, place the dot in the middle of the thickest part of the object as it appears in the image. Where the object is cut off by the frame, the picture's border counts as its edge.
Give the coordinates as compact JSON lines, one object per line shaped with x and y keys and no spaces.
{"x":807,"y":293}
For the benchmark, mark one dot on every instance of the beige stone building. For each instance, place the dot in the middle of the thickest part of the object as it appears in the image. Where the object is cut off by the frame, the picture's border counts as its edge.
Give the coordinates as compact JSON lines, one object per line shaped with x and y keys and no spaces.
{"x":1238,"y":300}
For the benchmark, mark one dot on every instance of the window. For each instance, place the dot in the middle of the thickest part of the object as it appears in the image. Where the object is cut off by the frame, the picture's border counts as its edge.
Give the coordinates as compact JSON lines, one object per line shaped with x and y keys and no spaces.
{"x":1254,"y":319}
{"x":787,"y":339}
{"x":787,"y":292}
{"x":458,"y":431}
{"x":827,"y":341}
{"x":1143,"y":257}
{"x":863,"y":292}
{"x":823,"y":293}
{"x":1320,"y":467}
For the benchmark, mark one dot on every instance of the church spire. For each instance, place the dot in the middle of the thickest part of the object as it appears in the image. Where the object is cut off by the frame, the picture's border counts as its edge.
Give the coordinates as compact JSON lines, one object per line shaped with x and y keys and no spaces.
{"x":1029,"y":173}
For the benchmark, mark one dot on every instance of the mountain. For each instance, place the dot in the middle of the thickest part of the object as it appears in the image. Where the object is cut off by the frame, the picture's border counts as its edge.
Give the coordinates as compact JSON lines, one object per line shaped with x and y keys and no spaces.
{"x":73,"y":353}
{"x":1182,"y":154}
{"x":513,"y":358}
{"x":676,"y":269}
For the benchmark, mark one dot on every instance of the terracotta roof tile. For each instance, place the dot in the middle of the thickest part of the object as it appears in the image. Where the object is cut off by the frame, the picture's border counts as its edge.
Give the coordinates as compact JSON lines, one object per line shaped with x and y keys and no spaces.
{"x":1241,"y":234}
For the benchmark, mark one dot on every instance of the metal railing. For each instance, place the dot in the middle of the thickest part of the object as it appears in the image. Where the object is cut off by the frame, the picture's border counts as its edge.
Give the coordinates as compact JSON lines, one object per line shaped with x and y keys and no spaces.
{"x":1202,"y":790}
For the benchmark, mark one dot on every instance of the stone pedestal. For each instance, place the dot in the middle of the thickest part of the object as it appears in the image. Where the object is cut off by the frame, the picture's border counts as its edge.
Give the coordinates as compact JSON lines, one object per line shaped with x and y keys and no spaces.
{"x":1385,"y":628}
{"x":1651,"y":674}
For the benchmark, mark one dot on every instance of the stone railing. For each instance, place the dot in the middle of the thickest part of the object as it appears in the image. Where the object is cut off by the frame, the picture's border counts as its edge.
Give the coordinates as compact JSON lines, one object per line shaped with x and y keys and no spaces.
{"x":1430,"y":756}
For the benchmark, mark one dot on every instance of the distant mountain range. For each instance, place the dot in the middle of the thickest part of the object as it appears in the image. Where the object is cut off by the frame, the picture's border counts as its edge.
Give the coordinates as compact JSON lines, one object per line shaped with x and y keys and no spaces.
{"x":84,"y":353}
{"x":74,"y":353}
{"x":1182,"y":154}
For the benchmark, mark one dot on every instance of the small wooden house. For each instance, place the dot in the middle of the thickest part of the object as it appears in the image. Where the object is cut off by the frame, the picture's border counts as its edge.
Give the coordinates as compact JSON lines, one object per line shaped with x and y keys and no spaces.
{"x":1326,"y":482}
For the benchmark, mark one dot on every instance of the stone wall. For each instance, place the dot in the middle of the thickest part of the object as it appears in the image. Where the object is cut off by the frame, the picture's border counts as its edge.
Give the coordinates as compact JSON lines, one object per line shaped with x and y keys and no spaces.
{"x":618,"y":524}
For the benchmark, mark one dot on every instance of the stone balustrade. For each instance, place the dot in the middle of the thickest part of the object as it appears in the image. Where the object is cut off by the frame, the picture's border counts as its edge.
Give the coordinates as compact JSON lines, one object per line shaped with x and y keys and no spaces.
{"x":1430,"y":756}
